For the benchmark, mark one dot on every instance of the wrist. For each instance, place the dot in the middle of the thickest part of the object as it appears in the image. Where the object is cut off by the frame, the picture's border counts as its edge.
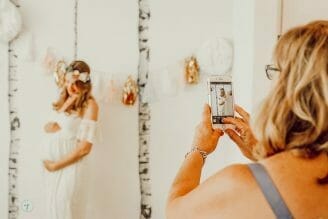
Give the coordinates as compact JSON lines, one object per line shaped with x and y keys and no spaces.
{"x":196,"y":150}
{"x":55,"y":166}
{"x":202,"y":147}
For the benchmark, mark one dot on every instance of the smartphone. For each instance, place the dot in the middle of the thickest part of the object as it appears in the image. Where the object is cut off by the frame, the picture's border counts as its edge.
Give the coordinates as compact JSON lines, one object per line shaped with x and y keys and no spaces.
{"x":220,"y":99}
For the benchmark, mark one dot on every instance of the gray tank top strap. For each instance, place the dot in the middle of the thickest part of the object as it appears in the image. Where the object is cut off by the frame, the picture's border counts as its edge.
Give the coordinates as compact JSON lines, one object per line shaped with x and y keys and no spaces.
{"x":270,"y":191}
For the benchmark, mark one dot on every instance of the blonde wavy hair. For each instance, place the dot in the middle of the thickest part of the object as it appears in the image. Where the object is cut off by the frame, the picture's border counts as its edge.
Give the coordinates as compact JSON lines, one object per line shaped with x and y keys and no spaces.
{"x":84,"y":91}
{"x":295,"y":113}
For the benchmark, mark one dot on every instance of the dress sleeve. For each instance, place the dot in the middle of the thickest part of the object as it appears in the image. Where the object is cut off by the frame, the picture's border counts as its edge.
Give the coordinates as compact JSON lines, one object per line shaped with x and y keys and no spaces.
{"x":87,"y":131}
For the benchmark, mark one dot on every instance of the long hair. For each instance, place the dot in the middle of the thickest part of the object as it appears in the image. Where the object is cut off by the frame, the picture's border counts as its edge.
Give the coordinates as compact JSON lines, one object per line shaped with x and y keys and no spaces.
{"x":295,"y":113}
{"x":84,"y":91}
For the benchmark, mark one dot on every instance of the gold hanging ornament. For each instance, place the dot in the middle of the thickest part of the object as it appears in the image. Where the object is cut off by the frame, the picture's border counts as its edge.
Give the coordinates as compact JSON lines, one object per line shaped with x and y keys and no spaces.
{"x":59,"y":73}
{"x":191,"y":70}
{"x":130,"y":92}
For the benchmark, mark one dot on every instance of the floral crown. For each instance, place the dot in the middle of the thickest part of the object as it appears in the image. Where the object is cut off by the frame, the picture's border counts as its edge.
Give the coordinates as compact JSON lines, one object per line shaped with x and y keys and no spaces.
{"x":62,"y":72}
{"x":81,"y":76}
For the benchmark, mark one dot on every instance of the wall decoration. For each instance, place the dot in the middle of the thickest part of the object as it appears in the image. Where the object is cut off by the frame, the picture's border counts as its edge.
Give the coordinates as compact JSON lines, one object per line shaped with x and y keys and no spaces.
{"x":49,"y":61}
{"x":59,"y":73}
{"x":191,"y":70}
{"x":215,"y":57}
{"x":10,"y":21}
{"x":144,"y":111}
{"x":163,"y":83}
{"x":113,"y":90}
{"x":130,"y":92}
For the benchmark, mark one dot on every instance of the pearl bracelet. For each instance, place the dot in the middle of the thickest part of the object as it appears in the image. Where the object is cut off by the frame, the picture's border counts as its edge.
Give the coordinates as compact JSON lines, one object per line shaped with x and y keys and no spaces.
{"x":202,"y":153}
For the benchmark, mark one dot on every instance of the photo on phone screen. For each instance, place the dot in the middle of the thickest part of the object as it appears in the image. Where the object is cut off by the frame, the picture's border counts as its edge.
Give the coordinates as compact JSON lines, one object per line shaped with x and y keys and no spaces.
{"x":221,"y":101}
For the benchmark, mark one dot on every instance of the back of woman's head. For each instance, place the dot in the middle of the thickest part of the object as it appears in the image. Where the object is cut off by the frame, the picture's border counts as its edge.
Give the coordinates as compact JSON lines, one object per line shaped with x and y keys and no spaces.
{"x":295,"y":114}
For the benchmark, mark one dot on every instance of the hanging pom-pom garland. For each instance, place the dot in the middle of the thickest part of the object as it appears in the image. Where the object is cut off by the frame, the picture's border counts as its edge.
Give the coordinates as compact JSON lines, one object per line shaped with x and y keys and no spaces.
{"x":50,"y":61}
{"x":112,"y":91}
{"x":130,"y":92}
{"x":10,"y":21}
{"x":191,"y":70}
{"x":214,"y":57}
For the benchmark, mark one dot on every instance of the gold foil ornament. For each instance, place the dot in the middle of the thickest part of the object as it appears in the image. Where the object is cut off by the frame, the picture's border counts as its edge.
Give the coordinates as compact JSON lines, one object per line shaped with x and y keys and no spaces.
{"x":191,"y":70}
{"x":130,"y":92}
{"x":59,"y":73}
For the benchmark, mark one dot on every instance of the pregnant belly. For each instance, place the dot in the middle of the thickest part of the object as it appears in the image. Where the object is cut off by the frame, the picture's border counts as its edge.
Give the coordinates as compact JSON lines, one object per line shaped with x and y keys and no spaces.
{"x":58,"y":146}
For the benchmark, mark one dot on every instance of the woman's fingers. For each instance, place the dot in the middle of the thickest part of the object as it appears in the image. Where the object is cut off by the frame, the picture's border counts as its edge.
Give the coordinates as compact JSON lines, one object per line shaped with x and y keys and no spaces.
{"x":218,"y":132}
{"x":207,"y":115}
{"x":229,"y":120}
{"x":242,"y":113}
{"x":234,"y":137}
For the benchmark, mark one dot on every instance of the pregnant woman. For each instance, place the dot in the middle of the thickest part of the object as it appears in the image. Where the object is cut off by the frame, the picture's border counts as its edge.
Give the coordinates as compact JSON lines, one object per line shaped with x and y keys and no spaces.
{"x":70,"y":139}
{"x":221,"y":101}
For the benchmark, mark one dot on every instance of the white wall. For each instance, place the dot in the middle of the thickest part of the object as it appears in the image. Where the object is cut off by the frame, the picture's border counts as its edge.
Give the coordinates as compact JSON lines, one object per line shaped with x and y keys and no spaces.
{"x":243,"y":39}
{"x":266,"y":30}
{"x":298,"y":12}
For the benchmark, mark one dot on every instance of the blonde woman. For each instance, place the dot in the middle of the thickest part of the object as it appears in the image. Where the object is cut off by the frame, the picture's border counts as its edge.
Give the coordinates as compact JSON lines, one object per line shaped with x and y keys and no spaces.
{"x":71,"y":137}
{"x":290,"y":177}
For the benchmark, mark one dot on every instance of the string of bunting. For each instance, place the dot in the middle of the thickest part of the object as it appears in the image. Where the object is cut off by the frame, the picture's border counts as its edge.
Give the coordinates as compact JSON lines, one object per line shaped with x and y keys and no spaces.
{"x":214,"y":57}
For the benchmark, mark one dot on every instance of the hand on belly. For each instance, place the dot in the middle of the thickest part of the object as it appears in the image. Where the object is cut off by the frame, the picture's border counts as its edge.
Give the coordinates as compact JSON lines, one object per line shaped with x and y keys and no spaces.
{"x":51,"y":127}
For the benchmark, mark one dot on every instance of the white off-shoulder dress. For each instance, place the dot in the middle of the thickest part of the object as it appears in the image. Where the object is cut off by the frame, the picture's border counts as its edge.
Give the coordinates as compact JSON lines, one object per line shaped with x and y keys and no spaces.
{"x":66,"y":189}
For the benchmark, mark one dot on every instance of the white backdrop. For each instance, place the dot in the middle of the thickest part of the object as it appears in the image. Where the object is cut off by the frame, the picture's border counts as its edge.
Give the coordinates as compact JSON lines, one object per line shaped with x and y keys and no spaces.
{"x":108,"y":41}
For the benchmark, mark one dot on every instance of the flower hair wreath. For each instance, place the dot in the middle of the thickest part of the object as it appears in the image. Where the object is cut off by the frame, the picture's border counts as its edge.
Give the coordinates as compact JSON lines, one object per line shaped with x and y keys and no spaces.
{"x":81,"y":76}
{"x":62,"y":72}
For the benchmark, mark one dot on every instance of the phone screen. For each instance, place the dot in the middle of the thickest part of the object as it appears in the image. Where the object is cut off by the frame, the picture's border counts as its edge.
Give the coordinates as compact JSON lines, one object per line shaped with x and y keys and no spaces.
{"x":221,"y":101}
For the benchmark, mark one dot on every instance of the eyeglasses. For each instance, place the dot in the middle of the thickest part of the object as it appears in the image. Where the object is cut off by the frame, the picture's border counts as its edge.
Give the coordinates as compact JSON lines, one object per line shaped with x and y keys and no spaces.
{"x":271,"y":71}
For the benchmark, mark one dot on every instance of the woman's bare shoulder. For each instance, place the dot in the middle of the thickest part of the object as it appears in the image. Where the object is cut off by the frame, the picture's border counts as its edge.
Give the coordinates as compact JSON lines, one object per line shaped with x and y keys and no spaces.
{"x":92,"y":109}
{"x":92,"y":103}
{"x":234,"y":172}
{"x":222,"y":192}
{"x":227,"y":182}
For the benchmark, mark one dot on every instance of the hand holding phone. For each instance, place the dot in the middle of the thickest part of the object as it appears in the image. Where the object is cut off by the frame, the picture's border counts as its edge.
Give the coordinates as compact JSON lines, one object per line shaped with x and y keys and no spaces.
{"x":242,"y":135}
{"x":205,"y":138}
